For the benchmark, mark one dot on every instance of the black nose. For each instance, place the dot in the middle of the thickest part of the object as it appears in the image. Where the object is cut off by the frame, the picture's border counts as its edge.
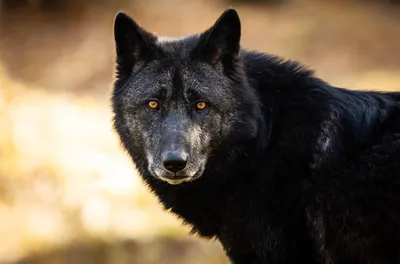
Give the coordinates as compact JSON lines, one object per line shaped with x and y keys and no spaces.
{"x":174,"y":161}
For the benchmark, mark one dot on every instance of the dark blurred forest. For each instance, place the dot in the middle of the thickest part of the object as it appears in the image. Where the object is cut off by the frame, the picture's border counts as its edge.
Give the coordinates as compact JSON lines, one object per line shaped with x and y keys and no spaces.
{"x":68,"y":192}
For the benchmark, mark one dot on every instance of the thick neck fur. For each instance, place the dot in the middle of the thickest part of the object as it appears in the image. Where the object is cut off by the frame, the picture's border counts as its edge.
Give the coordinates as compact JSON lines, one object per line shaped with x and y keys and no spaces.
{"x":298,"y":100}
{"x":293,"y":101}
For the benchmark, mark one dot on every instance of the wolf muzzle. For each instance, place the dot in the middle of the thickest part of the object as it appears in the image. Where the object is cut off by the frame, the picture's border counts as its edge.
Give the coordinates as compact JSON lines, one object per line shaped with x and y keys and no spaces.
{"x":174,"y":157}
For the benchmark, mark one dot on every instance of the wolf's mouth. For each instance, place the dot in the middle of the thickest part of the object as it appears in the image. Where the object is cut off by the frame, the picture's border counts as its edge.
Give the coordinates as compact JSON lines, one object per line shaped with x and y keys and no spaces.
{"x":177,"y":177}
{"x":174,"y":180}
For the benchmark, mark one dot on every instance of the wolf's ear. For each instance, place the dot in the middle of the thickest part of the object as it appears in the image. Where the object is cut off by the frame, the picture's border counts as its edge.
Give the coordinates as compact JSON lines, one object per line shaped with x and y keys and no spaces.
{"x":134,"y":45}
{"x":221,"y":42}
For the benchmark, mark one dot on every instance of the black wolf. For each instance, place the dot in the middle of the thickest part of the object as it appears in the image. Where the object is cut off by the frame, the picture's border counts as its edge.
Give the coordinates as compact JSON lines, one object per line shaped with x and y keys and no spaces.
{"x":255,"y":151}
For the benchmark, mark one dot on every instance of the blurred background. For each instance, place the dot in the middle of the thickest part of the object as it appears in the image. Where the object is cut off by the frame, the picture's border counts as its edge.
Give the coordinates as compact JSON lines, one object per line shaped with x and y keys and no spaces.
{"x":68,"y":192}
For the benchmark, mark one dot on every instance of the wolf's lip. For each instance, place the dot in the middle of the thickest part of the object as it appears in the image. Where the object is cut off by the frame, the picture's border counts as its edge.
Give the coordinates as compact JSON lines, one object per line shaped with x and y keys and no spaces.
{"x":176,"y":177}
{"x":175,"y":180}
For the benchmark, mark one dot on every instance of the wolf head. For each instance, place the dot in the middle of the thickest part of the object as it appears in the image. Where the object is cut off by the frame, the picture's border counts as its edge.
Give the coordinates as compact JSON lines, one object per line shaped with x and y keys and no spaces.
{"x":180,"y":102}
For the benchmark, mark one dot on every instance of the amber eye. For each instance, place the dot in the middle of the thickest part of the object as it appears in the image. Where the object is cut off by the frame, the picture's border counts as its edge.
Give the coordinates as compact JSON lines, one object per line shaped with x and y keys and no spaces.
{"x":153,"y":104}
{"x":201,"y":106}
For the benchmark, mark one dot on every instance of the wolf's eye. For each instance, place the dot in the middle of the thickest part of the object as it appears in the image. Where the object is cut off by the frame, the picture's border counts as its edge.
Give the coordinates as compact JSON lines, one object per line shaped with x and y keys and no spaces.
{"x":201,"y":106}
{"x":152,"y":104}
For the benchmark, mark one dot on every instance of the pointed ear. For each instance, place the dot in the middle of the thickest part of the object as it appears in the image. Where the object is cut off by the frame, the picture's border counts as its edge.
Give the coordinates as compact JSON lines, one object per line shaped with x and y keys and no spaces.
{"x":221,"y":43}
{"x":134,"y":45}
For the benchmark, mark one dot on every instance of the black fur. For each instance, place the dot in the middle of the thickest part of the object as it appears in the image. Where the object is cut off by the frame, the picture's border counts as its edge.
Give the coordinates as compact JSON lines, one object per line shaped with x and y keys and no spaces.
{"x":282,"y":167}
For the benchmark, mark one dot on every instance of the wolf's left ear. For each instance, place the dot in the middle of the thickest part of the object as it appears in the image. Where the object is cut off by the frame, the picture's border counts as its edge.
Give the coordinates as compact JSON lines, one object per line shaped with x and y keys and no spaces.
{"x":134,"y":45}
{"x":221,"y":43}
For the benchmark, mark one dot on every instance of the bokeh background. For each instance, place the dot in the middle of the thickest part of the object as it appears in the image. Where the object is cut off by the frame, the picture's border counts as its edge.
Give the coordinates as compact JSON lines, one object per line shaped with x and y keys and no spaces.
{"x":68,"y":192}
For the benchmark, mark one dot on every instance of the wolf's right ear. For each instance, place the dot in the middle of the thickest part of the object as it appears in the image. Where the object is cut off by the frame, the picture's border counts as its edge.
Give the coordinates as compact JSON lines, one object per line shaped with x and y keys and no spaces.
{"x":134,"y":45}
{"x":221,"y":43}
